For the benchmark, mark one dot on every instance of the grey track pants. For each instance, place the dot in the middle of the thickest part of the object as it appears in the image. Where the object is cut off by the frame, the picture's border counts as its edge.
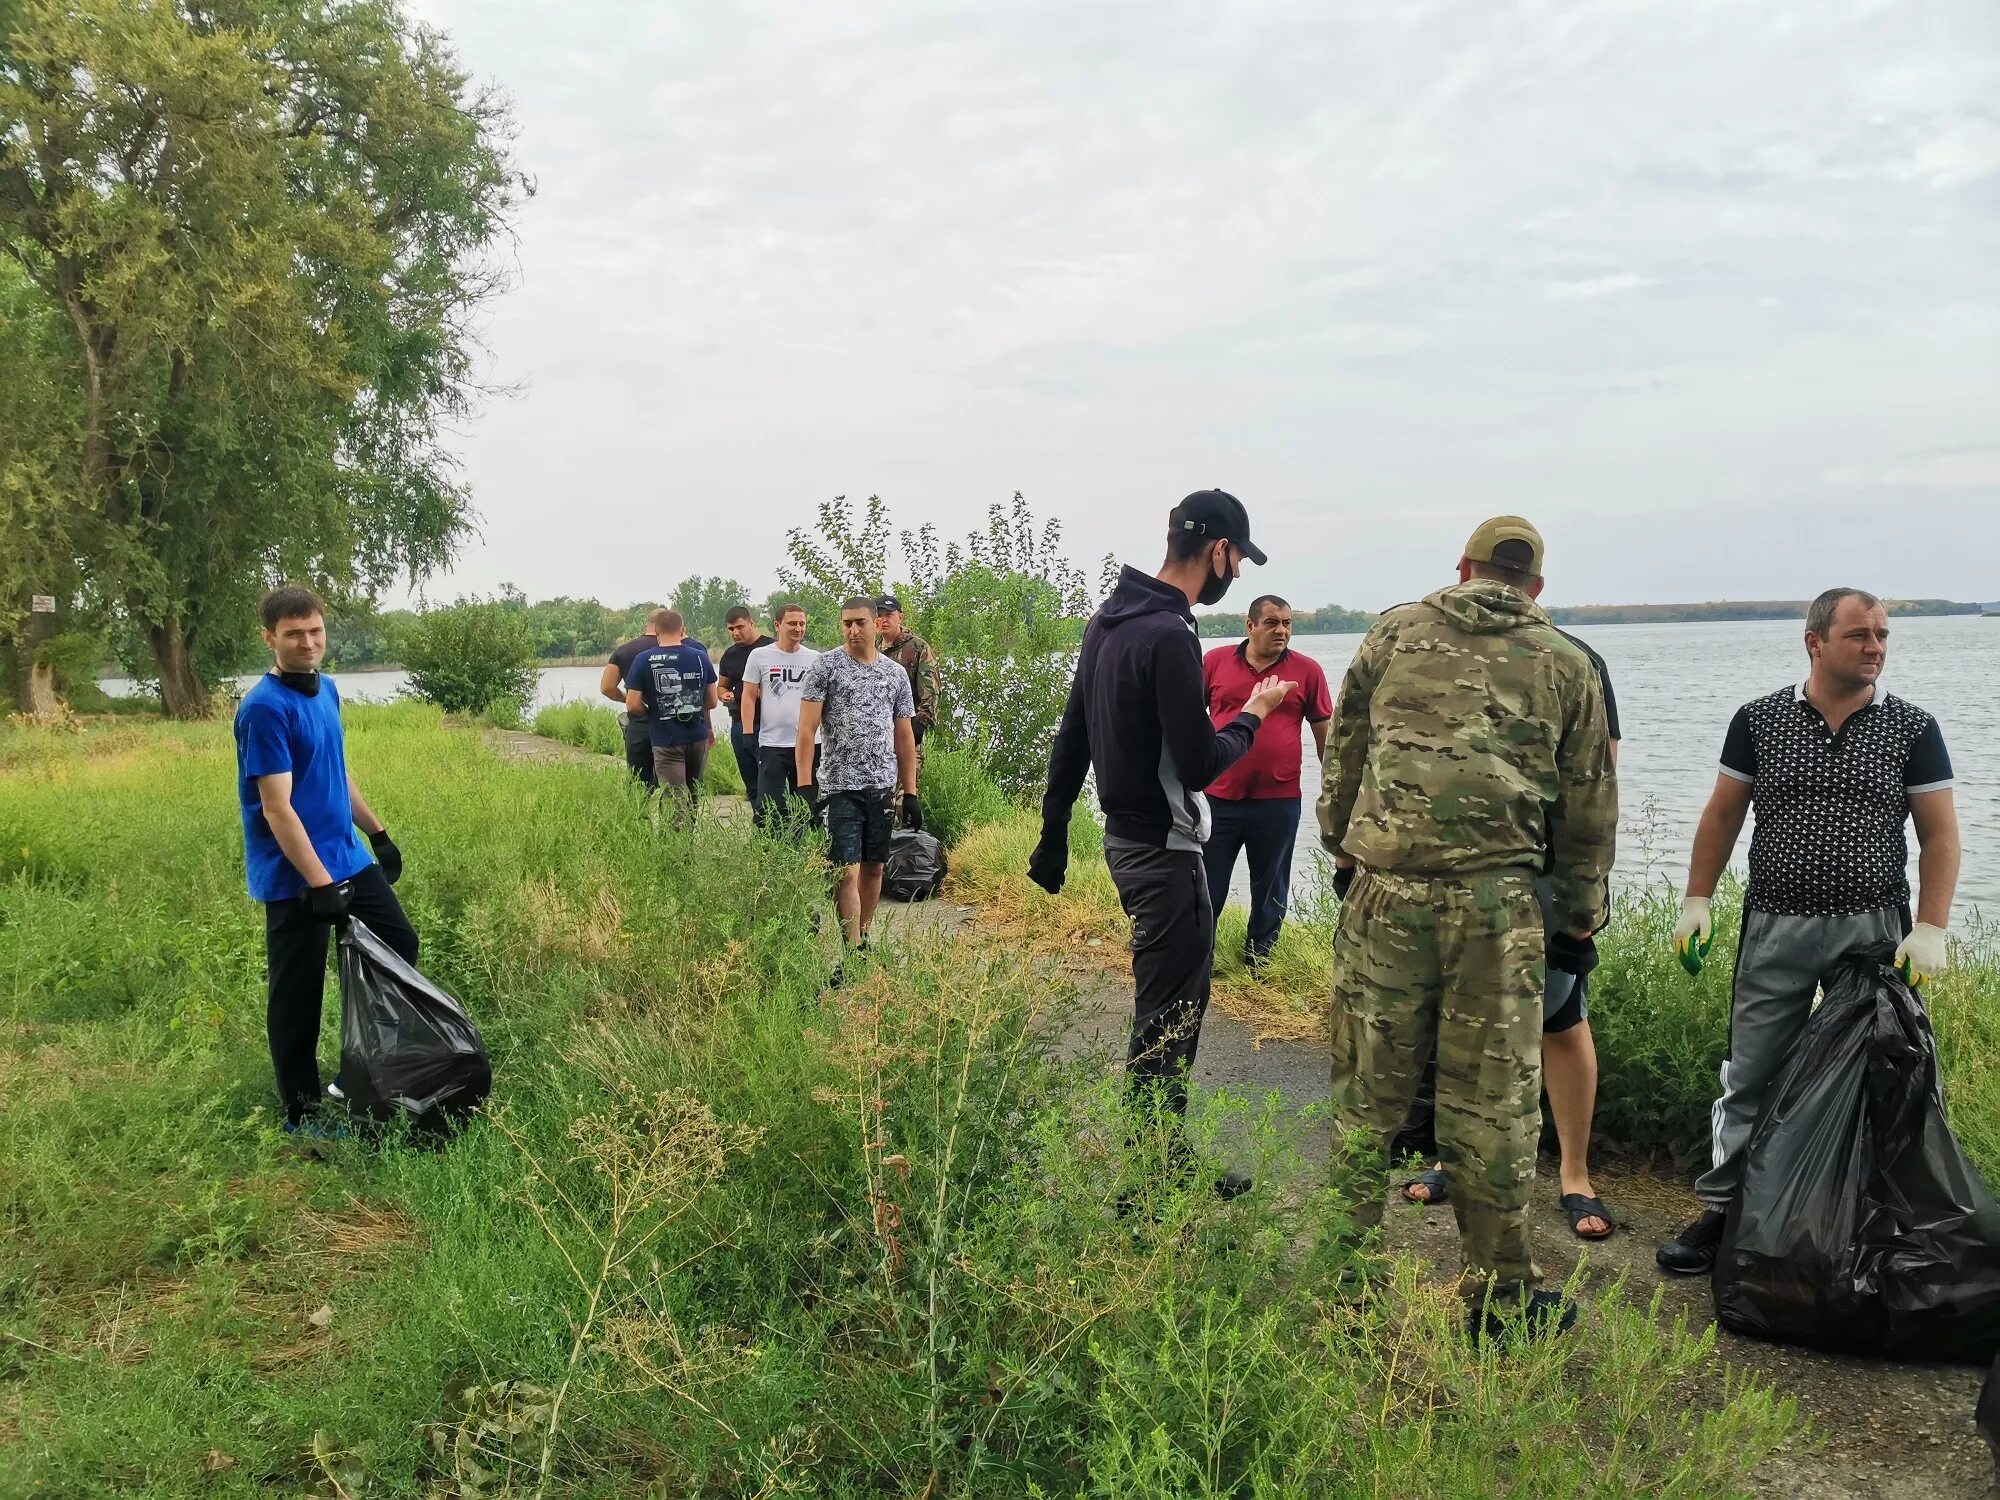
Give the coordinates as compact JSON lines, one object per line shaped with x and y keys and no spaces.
{"x":1778,"y":967}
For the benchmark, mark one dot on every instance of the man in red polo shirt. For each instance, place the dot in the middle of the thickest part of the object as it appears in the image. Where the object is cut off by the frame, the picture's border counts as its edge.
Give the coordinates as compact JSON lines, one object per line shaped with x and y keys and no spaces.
{"x":1254,"y":805}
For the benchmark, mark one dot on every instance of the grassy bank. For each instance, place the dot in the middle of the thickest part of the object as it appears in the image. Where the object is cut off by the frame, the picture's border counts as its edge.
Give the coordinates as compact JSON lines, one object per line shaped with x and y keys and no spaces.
{"x":723,"y":1232}
{"x":1661,"y":1036}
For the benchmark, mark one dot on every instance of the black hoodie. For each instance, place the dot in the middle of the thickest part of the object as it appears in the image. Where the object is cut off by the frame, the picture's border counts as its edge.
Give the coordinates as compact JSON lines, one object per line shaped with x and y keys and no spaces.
{"x":1138,"y":714}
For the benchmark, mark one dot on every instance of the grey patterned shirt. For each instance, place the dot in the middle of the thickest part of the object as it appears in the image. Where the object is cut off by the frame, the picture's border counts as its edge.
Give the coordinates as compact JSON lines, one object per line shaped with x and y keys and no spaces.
{"x":862,"y":702}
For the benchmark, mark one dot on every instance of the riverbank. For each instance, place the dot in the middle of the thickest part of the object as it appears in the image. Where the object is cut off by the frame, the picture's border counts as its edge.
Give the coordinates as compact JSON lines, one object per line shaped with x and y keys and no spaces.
{"x":723,"y":1231}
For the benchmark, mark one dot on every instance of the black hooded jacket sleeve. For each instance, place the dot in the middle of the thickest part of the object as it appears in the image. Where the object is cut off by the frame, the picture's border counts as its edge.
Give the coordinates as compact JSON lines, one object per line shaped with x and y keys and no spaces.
{"x":1200,"y":751}
{"x":1069,"y":761}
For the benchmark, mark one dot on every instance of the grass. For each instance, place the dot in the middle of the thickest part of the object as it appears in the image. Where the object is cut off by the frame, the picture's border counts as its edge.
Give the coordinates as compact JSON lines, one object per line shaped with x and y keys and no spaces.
{"x":723,"y":1231}
{"x":589,"y":727}
{"x":1661,"y":1036}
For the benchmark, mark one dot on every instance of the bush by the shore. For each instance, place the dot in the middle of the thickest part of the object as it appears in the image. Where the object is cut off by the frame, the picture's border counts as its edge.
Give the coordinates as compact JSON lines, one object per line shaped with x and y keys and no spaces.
{"x":724,"y":1231}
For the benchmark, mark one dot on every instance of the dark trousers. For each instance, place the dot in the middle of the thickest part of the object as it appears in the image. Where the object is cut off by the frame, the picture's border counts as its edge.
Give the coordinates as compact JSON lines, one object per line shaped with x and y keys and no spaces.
{"x":295,"y":969}
{"x":745,"y":747}
{"x":639,"y":751}
{"x":1266,"y":829}
{"x":1165,"y":893}
{"x":777,"y":783}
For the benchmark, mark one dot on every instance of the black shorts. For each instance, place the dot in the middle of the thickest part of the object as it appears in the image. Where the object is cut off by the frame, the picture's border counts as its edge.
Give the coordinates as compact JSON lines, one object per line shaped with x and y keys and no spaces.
{"x":858,"y":826}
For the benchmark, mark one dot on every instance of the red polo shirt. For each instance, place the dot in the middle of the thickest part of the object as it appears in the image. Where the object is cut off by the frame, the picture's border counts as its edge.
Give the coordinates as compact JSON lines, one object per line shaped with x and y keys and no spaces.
{"x":1271,"y":769}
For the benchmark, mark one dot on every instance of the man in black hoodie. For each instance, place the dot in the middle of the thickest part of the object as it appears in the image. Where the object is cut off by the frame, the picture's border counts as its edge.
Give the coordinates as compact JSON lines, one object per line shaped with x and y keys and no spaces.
{"x":1137,"y":715}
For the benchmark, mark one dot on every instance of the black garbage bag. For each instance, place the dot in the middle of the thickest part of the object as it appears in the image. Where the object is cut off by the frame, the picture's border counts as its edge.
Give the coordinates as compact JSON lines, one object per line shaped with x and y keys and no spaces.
{"x":1860,"y":1226}
{"x":915,"y":868}
{"x":406,"y":1047}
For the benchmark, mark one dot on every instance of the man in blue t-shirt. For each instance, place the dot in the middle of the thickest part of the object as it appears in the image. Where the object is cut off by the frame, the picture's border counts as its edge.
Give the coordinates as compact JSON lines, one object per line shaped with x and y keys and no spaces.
{"x":300,"y":852}
{"x":672,"y":687}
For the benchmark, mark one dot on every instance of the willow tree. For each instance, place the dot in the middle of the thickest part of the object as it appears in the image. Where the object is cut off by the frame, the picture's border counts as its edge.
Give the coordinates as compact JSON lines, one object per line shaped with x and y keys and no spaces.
{"x":265,"y":226}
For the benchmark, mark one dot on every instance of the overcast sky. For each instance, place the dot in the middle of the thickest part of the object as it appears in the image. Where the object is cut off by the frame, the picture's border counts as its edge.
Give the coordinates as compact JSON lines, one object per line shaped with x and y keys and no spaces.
{"x":1709,"y":291}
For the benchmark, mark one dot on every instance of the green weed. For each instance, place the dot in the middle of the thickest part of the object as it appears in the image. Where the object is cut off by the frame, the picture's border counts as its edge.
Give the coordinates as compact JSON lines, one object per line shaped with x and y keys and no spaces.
{"x":725,"y":1231}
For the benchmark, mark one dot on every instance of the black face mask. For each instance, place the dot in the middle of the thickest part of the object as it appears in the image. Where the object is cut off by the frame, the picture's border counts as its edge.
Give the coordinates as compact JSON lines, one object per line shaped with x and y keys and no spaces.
{"x":301,"y":682}
{"x":1214,"y":587}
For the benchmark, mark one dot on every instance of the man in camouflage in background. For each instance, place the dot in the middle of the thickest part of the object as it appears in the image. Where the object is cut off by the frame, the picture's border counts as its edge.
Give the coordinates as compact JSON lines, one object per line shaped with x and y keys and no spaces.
{"x":914,"y":655}
{"x":1469,"y":754}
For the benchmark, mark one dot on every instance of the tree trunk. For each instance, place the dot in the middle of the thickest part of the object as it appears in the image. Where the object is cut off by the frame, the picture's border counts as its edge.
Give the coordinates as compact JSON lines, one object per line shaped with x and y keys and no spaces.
{"x":35,"y":680}
{"x":182,"y":695}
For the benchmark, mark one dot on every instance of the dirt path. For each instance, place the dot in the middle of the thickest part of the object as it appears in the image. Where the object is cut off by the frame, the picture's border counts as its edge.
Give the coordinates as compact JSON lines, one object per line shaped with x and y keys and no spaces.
{"x":1887,"y":1431}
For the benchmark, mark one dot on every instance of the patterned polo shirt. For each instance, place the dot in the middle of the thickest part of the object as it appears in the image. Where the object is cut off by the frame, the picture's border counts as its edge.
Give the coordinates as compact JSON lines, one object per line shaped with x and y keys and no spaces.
{"x":1831,"y":808}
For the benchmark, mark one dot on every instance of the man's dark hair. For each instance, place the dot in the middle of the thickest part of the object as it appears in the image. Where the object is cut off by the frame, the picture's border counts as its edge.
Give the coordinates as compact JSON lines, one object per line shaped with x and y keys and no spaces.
{"x":860,"y":601}
{"x":1263,"y":602}
{"x":738,"y":612}
{"x":1820,"y":613}
{"x":1184,"y":545}
{"x":666,"y":622}
{"x":1510,"y":565}
{"x":787,"y":609}
{"x":290,"y":601}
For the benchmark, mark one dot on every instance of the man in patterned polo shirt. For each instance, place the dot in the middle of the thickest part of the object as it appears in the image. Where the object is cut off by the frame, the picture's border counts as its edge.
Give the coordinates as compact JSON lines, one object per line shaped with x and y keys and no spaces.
{"x":1834,"y":768}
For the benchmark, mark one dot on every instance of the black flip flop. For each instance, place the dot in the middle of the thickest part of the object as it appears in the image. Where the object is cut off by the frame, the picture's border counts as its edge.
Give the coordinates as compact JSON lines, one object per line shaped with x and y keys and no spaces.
{"x":1581,"y":1206}
{"x":1434,"y":1180}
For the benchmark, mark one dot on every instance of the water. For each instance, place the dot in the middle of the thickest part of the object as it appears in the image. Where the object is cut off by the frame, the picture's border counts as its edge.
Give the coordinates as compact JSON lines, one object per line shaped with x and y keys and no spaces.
{"x":1677,"y":687}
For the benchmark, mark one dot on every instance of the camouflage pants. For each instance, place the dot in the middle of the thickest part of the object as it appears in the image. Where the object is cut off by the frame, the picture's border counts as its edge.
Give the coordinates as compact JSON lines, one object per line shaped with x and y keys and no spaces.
{"x":1456,"y":964}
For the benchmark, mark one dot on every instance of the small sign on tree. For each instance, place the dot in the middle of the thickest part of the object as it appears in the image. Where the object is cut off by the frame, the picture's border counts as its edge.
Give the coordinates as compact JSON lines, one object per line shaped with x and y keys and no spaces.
{"x":42,"y":604}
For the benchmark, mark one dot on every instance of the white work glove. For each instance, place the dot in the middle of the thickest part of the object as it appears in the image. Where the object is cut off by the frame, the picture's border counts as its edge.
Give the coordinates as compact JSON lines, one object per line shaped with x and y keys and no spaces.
{"x":1922,"y":955}
{"x":1694,"y":933}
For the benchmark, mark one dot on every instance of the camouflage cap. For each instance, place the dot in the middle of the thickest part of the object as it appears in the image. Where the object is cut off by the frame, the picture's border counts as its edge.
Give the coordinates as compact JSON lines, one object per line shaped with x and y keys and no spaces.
{"x":1491,"y":534}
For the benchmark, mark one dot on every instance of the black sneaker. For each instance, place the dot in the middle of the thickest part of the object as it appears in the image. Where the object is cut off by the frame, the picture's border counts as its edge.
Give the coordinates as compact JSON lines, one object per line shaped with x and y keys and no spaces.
{"x":1543,"y":1315}
{"x":1233,"y":1184}
{"x":1692,"y":1251}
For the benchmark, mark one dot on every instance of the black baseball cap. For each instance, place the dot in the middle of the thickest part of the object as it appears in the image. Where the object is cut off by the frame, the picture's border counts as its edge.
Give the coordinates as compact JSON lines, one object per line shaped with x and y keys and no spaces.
{"x":1217,"y":513}
{"x":888,"y":604}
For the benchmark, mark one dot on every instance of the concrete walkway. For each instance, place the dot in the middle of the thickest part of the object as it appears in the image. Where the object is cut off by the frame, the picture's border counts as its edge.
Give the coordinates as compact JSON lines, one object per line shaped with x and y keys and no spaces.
{"x":1888,"y":1431}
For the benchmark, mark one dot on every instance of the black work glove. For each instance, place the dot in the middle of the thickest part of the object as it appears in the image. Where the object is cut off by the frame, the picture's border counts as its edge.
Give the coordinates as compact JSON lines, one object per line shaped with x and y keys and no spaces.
{"x":327,"y":902}
{"x":1050,"y":861}
{"x":1572,"y":955}
{"x":913,"y":812}
{"x":809,"y":794}
{"x":1343,"y":880}
{"x":387,"y":855}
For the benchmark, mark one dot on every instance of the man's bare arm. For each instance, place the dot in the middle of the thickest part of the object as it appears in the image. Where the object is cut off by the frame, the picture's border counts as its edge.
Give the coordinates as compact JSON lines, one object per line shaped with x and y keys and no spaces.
{"x":1936,"y":818}
{"x":360,"y":811}
{"x":809,"y":716}
{"x":906,"y":757}
{"x":611,"y":682}
{"x":1318,"y":727}
{"x":274,"y":795}
{"x":751,"y":694}
{"x":1715,"y":837}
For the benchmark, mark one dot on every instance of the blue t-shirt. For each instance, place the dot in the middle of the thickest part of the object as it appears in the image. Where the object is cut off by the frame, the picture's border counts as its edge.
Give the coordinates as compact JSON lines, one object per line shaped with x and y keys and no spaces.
{"x":673,"y":681}
{"x":280,"y":729}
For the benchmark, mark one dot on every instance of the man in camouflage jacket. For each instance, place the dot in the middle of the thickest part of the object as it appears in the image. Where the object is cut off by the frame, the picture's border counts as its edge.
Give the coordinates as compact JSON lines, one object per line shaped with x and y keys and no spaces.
{"x":914,"y":655}
{"x":1469,"y":754}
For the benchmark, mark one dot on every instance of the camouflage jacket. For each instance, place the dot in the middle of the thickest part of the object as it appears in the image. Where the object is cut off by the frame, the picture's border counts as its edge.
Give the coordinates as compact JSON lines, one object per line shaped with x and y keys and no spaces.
{"x":1470,"y":735}
{"x":914,"y":655}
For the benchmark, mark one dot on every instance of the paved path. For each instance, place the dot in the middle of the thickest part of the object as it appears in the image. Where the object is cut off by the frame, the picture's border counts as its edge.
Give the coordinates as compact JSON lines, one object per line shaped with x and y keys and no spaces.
{"x":1888,"y":1431}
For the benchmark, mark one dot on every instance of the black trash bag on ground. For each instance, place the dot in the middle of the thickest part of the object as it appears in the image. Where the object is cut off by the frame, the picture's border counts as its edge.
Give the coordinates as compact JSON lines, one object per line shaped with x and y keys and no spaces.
{"x":406,"y":1047}
{"x":1987,"y":1413}
{"x":915,"y":868}
{"x":1860,"y":1226}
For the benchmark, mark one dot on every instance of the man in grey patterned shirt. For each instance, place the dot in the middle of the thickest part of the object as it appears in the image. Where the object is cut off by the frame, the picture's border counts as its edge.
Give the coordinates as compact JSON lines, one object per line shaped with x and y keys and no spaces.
{"x":860,"y":703}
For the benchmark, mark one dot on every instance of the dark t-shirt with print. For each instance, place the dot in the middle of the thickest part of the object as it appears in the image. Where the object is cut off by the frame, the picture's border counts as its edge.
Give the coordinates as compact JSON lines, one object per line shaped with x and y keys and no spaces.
{"x":1830,"y":808}
{"x":731,"y":671}
{"x":673,"y":681}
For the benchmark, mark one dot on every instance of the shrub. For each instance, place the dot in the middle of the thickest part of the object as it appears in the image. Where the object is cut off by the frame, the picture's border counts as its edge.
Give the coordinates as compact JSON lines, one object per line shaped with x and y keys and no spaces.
{"x":470,"y":656}
{"x":957,"y":793}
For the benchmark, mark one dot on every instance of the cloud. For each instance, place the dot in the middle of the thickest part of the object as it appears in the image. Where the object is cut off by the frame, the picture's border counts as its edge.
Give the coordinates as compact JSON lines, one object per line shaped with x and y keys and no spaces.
{"x":1375,"y":266}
